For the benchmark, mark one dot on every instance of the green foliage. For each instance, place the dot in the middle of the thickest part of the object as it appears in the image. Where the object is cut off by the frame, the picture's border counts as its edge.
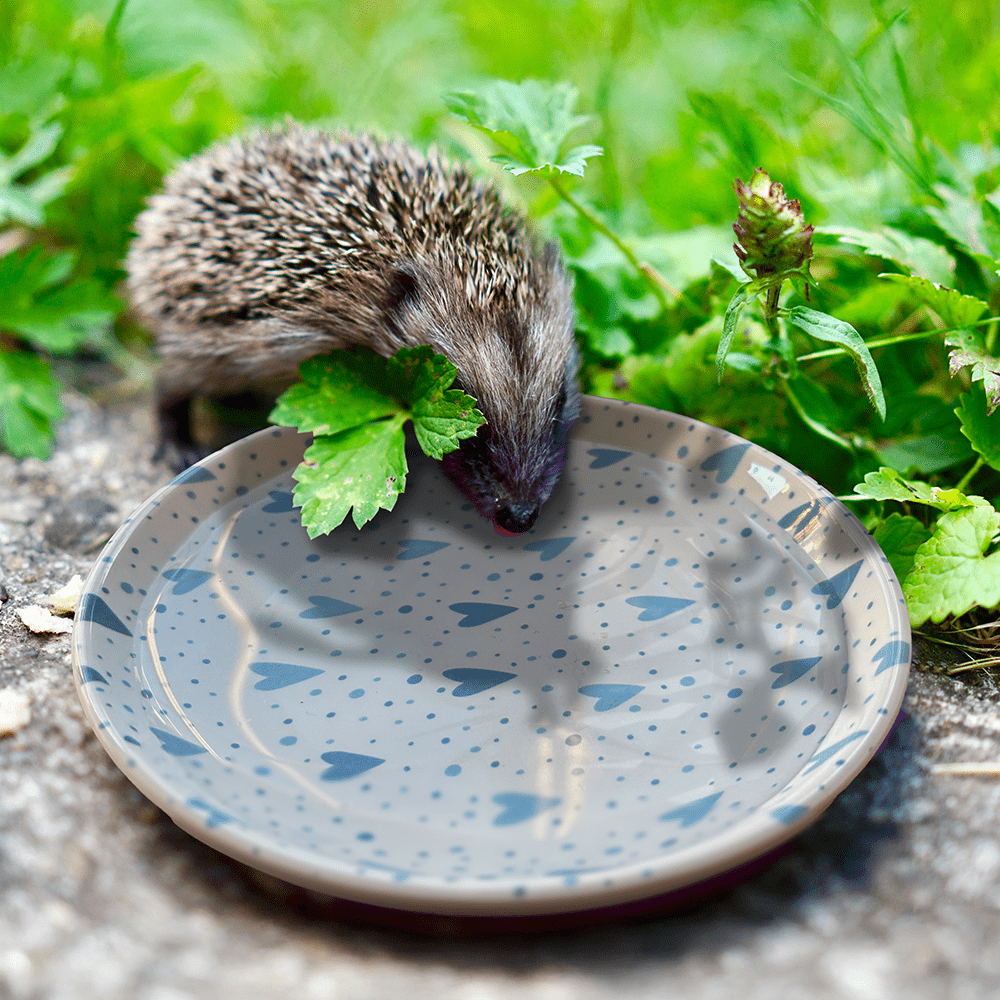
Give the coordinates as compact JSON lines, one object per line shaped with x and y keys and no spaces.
{"x":899,"y":536}
{"x":951,"y":572}
{"x":836,"y":331}
{"x":43,"y":310}
{"x":530,"y":122}
{"x":873,"y":364}
{"x":356,"y":403}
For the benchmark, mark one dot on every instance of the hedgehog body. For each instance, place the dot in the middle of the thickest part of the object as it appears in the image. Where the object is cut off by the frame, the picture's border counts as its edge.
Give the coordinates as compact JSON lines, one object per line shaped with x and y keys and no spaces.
{"x":268,"y":249}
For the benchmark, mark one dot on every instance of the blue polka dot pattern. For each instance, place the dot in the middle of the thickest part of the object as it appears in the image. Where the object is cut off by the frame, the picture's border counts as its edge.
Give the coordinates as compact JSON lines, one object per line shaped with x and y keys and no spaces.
{"x":681,"y":665}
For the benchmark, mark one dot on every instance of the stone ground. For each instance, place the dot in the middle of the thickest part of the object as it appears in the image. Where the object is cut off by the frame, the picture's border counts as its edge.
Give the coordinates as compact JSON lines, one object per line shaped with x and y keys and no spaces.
{"x":894,"y":892}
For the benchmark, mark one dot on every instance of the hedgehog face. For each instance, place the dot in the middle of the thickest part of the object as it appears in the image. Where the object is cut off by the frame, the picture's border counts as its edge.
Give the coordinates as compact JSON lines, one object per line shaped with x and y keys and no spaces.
{"x":517,"y":361}
{"x":507,"y":481}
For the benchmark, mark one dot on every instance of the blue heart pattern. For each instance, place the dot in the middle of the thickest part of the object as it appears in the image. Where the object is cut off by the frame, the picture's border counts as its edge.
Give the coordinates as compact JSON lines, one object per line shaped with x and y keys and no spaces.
{"x":477,"y":613}
{"x":186,"y":580}
{"x":610,"y":696}
{"x":519,"y":806}
{"x":473,"y":680}
{"x":418,"y":548}
{"x":281,"y":675}
{"x":835,"y":589}
{"x":693,"y":812}
{"x":550,"y":547}
{"x":725,"y":462}
{"x":657,"y":607}
{"x":603,"y":457}
{"x":328,"y":607}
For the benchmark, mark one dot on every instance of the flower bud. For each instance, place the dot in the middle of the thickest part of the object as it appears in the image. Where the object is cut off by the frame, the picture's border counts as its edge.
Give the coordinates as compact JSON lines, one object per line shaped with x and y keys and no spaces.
{"x":774,"y":241}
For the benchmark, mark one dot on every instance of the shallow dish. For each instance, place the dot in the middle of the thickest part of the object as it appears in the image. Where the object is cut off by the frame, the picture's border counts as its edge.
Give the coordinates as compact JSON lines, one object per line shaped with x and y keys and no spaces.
{"x":693,"y":651}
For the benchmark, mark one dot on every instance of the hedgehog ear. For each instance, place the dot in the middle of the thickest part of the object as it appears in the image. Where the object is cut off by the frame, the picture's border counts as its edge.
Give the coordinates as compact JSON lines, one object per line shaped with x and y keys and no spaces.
{"x":403,"y":290}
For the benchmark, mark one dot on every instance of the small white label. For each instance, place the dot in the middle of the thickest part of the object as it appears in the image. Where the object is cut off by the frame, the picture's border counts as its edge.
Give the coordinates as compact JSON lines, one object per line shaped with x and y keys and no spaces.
{"x":772,"y":483}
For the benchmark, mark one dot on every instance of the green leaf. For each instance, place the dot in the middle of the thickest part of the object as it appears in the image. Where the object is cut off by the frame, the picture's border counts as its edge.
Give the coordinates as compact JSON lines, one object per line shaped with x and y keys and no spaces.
{"x":38,"y":303}
{"x":733,"y":310}
{"x":970,"y":352}
{"x":824,"y":327}
{"x":17,"y":204}
{"x":335,"y":394}
{"x":442,"y":419}
{"x":363,"y":468}
{"x":955,"y":309}
{"x":356,"y":403}
{"x":744,"y":362}
{"x":25,"y":203}
{"x":924,"y":454}
{"x":918,"y":255}
{"x":40,"y":146}
{"x":530,"y":122}
{"x":416,"y":372}
{"x":961,"y":217}
{"x":888,"y":484}
{"x":29,"y":405}
{"x":899,"y":536}
{"x":951,"y":572}
{"x":982,"y":430}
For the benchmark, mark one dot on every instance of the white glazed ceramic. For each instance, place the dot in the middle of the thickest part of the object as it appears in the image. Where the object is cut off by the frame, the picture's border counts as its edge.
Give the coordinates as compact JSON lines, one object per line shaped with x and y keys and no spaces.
{"x":693,"y":651}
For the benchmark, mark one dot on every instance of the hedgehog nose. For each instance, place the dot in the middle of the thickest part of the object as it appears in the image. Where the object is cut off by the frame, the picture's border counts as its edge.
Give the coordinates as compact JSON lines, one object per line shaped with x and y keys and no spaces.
{"x":515,"y":518}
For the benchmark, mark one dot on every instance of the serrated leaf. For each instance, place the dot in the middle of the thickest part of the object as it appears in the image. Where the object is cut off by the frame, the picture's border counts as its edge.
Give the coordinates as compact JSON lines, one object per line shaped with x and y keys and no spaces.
{"x":982,"y":430}
{"x":836,"y":331}
{"x":415,"y":372}
{"x":356,"y":403}
{"x":951,"y":572}
{"x":335,"y":394}
{"x":530,"y":122}
{"x":924,"y":257}
{"x":733,"y":310}
{"x":970,"y":352}
{"x":954,"y":308}
{"x":360,"y":470}
{"x":888,"y":484}
{"x":574,"y":161}
{"x":442,"y":419}
{"x":899,"y":536}
{"x":961,"y":217}
{"x":29,"y":405}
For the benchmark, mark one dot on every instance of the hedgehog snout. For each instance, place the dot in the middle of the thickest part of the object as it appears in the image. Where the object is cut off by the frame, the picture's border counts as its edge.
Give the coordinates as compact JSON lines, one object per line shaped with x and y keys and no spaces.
{"x":516,"y":518}
{"x":494,"y":479}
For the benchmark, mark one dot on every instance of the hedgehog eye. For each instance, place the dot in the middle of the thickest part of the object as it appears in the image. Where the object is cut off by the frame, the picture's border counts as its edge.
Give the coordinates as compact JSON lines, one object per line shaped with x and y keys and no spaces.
{"x":403,"y":290}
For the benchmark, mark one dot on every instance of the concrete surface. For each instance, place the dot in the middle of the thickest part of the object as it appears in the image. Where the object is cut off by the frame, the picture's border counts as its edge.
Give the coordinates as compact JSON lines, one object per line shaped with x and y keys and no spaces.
{"x":895,"y":892}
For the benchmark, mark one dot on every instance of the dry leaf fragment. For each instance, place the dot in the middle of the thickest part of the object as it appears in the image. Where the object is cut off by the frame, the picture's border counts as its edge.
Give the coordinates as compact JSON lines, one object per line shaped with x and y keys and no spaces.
{"x":63,"y":601}
{"x":42,"y":620}
{"x":15,"y":712}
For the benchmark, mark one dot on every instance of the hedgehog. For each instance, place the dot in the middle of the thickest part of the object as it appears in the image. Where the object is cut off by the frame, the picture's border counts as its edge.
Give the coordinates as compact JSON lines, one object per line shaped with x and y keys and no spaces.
{"x":269,"y":248}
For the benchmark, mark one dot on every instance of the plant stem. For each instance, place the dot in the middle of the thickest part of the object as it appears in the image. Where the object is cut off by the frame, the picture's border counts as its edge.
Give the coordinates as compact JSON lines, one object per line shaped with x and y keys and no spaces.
{"x":771,"y":310}
{"x":991,"y":333}
{"x":967,"y":478}
{"x":878,"y":342}
{"x":814,"y":424}
{"x":645,"y":270}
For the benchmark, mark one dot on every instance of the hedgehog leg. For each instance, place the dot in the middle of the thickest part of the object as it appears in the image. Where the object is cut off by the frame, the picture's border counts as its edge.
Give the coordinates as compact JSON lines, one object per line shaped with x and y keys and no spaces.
{"x":177,"y":447}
